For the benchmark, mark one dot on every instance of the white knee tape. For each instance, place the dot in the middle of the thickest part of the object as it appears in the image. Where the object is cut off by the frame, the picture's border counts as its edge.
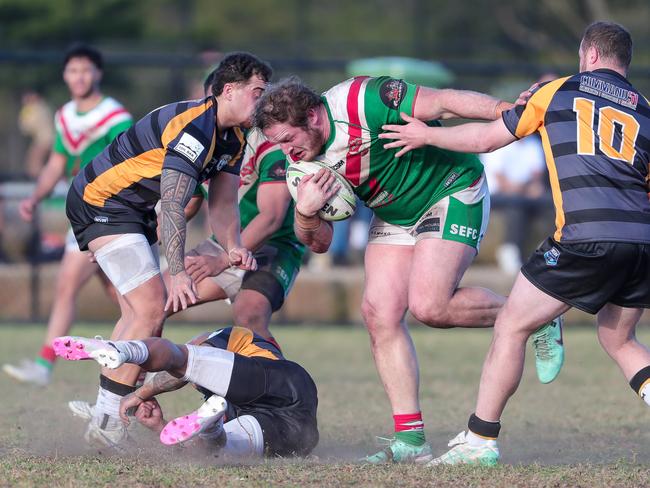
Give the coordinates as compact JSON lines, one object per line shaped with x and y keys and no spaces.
{"x":209,"y":367}
{"x":128,"y":261}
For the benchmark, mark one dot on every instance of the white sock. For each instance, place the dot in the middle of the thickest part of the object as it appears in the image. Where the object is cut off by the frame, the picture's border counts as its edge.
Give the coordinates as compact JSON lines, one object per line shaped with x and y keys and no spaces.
{"x":644,"y":393}
{"x":478,"y":441}
{"x":136,"y":352}
{"x":108,"y":403}
{"x":244,"y":437}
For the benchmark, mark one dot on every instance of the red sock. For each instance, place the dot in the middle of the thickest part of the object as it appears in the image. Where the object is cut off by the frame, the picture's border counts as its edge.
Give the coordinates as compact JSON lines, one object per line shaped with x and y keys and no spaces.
{"x":409,"y":428}
{"x":48,"y":354}
{"x":410,"y":421}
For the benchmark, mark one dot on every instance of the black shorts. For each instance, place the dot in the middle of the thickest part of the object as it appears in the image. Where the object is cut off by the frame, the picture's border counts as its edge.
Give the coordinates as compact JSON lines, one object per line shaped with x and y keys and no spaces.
{"x":282,"y":397}
{"x":591,"y":274}
{"x":90,"y":222}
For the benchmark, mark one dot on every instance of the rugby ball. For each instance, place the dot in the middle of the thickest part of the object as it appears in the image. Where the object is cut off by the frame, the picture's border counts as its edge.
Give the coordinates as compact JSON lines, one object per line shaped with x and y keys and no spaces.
{"x":340,"y":206}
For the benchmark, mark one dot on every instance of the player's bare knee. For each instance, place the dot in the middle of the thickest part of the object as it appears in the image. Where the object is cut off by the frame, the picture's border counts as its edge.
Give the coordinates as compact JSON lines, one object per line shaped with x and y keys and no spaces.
{"x":433,"y":315}
{"x":150,"y":318}
{"x":610,"y":341}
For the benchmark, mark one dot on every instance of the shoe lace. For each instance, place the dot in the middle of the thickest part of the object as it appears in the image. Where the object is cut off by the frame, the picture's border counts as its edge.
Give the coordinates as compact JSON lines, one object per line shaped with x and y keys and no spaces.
{"x":541,"y":343}
{"x":384,"y":441}
{"x":461,"y":438}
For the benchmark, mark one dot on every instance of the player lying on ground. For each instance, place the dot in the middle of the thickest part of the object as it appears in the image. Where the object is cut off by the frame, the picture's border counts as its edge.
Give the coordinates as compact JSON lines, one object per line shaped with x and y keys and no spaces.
{"x":270,"y":402}
{"x":595,"y":128}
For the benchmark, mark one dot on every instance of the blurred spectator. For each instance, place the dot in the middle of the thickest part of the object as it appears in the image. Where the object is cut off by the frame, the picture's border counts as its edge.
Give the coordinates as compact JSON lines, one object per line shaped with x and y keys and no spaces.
{"x":519,"y":191}
{"x":35,"y":122}
{"x":3,"y":256}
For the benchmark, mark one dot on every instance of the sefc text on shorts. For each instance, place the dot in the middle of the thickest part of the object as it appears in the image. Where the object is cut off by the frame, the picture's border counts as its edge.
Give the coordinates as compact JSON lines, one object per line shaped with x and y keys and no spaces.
{"x":90,"y":222}
{"x":588,"y":275}
{"x":283,"y":398}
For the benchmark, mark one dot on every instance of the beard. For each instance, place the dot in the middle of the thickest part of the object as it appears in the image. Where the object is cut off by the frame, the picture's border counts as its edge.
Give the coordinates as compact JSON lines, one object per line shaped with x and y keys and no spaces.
{"x":315,"y":142}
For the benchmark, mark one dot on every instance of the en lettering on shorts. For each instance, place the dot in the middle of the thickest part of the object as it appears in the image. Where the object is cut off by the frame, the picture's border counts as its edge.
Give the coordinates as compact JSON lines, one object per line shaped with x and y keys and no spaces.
{"x":588,"y":275}
{"x":462,"y":217}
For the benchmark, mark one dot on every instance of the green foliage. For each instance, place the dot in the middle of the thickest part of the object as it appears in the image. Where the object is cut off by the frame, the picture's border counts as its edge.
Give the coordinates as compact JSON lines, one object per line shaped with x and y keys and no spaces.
{"x":39,"y":22}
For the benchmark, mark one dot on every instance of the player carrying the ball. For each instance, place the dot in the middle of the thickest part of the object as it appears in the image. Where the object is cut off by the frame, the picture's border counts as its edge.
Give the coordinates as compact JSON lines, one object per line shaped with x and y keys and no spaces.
{"x":431,"y":209}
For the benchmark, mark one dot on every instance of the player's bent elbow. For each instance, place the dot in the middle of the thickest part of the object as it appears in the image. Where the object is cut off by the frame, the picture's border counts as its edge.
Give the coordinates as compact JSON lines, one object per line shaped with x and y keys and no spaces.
{"x":318,"y":247}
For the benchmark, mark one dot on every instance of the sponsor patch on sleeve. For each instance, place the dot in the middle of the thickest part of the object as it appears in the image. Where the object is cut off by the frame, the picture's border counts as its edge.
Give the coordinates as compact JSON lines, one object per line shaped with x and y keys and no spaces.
{"x":189,"y":147}
{"x":392,"y":92}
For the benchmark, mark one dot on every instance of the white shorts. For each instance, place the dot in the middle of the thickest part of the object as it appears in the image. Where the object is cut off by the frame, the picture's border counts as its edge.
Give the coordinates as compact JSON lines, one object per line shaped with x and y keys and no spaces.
{"x":462,"y":217}
{"x":209,"y":367}
{"x":230,"y":279}
{"x":71,"y":244}
{"x":128,"y":261}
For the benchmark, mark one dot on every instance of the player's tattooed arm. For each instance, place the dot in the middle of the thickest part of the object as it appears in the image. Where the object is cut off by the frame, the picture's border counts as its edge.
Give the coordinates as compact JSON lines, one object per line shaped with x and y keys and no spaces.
{"x":160,"y":382}
{"x":176,"y":190}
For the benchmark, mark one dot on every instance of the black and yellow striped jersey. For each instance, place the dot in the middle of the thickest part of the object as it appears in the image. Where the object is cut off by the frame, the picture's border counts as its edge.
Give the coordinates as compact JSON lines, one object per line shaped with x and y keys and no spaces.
{"x":182,"y":136}
{"x":595,"y":130}
{"x":243,"y":341}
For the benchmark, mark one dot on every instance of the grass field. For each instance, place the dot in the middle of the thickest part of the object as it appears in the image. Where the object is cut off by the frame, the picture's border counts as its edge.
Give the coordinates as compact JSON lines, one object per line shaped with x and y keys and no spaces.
{"x":585,"y":429}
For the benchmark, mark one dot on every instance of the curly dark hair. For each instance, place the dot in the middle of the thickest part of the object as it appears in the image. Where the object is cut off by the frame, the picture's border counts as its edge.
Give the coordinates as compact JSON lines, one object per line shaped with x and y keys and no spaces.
{"x":237,"y":67}
{"x":288,"y":101}
{"x":80,"y":50}
{"x":612,"y":40}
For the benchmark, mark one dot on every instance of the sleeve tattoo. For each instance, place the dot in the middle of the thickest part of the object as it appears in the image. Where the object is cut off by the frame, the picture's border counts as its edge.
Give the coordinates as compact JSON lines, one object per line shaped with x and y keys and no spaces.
{"x":176,"y":190}
{"x":160,"y":382}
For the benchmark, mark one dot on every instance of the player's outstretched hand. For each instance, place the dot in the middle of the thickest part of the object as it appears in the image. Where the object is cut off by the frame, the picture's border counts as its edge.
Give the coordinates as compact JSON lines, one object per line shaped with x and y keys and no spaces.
{"x":201,"y":266}
{"x":150,"y":415}
{"x":406,"y":137}
{"x":526,"y":94}
{"x":26,"y":209}
{"x":128,"y":405}
{"x":182,"y":290}
{"x":314,"y":190}
{"x":242,"y":258}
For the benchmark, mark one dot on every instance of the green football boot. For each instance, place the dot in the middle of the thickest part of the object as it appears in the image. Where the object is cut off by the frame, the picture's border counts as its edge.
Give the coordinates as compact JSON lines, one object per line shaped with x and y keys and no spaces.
{"x":549,"y":350}
{"x":462,"y":453}
{"x":400,"y":452}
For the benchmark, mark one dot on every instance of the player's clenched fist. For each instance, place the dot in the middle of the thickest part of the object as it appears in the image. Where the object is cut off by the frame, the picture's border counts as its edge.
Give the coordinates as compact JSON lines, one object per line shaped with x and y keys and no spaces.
{"x":242,"y":258}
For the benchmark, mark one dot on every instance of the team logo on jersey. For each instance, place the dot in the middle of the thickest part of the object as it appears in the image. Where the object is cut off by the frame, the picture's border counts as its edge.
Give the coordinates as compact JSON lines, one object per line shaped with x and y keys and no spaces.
{"x":357,"y":147}
{"x":552,"y":256}
{"x":223,"y":161}
{"x":278,"y":171}
{"x":392,"y":92}
{"x":189,"y":147}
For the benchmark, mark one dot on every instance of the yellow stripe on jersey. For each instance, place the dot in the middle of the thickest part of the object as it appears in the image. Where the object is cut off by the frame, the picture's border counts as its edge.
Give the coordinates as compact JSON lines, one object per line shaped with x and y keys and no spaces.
{"x":533,"y":116}
{"x":555,"y":183}
{"x":122,"y":175}
{"x":178,"y":123}
{"x":241,"y":342}
{"x":242,"y":141}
